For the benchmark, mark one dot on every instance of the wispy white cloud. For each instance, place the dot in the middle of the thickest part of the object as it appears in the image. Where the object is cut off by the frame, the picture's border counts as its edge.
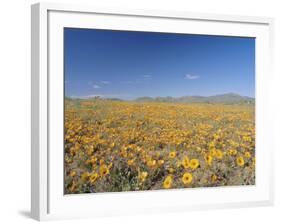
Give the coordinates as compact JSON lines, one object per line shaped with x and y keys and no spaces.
{"x":105,"y":82}
{"x":96,"y":86}
{"x":127,"y":82}
{"x":191,"y":77}
{"x":147,"y":76}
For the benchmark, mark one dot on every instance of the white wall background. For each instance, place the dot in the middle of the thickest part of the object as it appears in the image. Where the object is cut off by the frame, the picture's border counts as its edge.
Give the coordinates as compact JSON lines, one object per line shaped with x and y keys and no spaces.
{"x":15,"y":110}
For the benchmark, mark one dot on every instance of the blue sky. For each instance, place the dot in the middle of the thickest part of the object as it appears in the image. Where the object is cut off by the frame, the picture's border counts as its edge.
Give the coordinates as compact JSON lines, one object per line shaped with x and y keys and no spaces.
{"x":128,"y":65}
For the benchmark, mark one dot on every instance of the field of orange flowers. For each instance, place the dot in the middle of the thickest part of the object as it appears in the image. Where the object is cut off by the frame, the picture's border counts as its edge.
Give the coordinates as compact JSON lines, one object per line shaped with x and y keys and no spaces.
{"x":113,"y":146}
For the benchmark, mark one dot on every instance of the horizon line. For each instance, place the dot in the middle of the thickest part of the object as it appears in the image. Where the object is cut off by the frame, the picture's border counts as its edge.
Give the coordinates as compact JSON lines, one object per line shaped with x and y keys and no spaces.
{"x":115,"y":96}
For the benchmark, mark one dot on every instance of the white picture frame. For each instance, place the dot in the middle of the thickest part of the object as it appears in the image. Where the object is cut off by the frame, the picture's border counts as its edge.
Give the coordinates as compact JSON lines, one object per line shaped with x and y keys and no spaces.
{"x":47,"y":198}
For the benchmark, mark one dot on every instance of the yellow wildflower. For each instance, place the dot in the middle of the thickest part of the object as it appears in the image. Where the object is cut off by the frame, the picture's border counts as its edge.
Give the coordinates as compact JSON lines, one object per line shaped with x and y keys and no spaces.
{"x":72,"y":173}
{"x":213,"y":152}
{"x":171,"y":170}
{"x":143,"y":176}
{"x":131,"y":162}
{"x":194,"y":163}
{"x":247,"y":154}
{"x":209,"y":159}
{"x":214,"y":177}
{"x":85,"y":176}
{"x":151,"y":163}
{"x":232,"y":152}
{"x":172,"y":154}
{"x":104,"y":170}
{"x":94,"y":177}
{"x":185,"y":162}
{"x":187,"y":178}
{"x":168,"y":182}
{"x":219,"y":154}
{"x":240,"y":161}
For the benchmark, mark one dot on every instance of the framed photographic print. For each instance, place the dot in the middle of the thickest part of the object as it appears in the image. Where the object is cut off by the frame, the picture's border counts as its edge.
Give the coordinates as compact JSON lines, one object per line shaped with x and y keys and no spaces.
{"x":148,"y":111}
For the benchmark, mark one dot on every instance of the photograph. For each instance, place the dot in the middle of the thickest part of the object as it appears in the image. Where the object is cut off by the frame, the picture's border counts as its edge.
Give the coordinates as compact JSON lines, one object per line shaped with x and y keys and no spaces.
{"x":157,"y":111}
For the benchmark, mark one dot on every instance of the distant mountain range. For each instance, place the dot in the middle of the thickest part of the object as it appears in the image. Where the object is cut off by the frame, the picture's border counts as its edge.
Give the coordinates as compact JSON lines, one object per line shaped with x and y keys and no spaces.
{"x":228,"y":98}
